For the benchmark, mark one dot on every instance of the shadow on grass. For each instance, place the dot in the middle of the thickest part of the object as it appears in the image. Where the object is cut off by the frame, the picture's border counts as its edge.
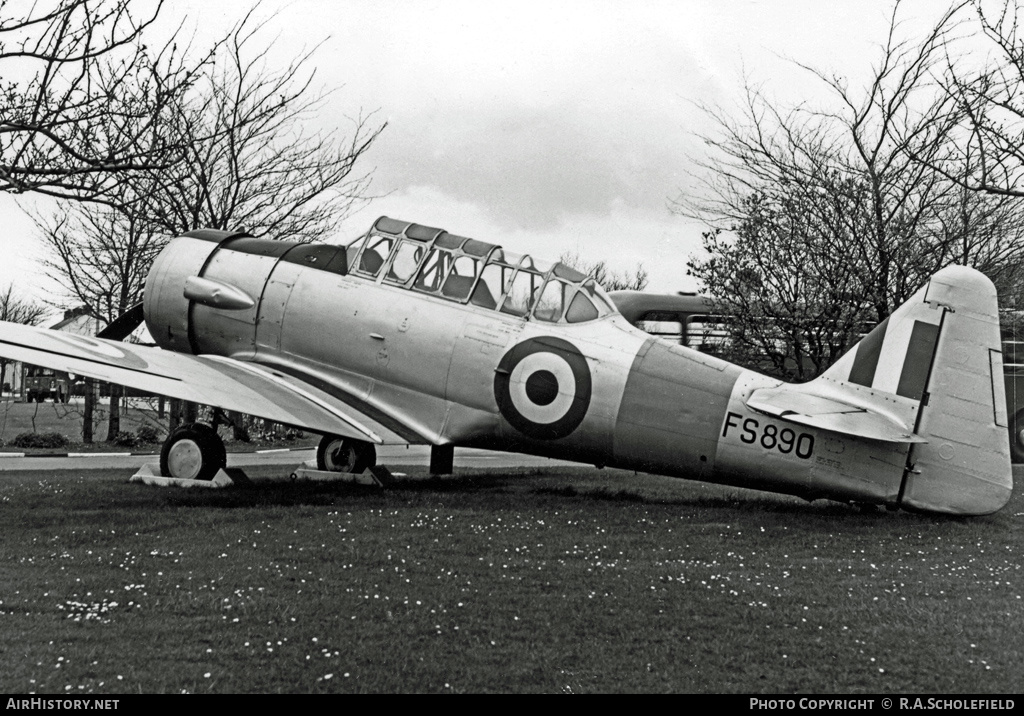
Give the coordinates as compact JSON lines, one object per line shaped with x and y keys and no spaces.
{"x":279,"y":493}
{"x":502,"y":489}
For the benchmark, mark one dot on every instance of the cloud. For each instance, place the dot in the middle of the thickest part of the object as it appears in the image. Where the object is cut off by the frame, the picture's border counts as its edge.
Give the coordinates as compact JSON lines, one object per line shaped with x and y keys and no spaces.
{"x":535,"y":114}
{"x":531,"y":165}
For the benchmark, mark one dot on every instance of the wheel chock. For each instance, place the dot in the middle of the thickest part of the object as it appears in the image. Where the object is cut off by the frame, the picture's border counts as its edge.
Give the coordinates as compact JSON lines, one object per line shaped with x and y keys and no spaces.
{"x":149,"y":474}
{"x":378,"y":475}
{"x":383,"y":476}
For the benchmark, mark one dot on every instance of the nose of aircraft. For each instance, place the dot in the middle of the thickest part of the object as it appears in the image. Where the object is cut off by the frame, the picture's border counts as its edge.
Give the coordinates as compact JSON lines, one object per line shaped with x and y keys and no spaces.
{"x":166,"y":305}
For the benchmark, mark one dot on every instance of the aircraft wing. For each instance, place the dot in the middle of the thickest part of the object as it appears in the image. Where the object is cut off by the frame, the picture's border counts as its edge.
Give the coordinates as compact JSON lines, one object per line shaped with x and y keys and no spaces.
{"x":210,"y":380}
{"x":830,"y":414}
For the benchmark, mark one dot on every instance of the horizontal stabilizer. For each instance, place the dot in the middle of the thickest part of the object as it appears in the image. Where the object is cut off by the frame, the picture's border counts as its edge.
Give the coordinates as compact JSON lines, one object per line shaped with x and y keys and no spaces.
{"x":797,"y":405}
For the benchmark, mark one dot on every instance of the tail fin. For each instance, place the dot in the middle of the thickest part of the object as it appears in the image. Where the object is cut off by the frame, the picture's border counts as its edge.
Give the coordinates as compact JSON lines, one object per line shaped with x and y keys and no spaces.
{"x":941,"y":353}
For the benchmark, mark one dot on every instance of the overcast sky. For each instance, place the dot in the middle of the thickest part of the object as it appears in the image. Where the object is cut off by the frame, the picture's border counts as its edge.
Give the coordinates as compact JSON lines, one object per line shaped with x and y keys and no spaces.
{"x":544,"y":126}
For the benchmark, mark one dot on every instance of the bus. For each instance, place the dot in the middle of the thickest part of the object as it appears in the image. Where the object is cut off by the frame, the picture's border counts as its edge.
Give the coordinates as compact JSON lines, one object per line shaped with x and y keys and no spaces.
{"x":691,"y":320}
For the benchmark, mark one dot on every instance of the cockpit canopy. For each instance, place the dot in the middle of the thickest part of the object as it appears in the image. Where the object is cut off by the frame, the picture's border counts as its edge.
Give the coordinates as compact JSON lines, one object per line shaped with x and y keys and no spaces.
{"x":456,"y":268}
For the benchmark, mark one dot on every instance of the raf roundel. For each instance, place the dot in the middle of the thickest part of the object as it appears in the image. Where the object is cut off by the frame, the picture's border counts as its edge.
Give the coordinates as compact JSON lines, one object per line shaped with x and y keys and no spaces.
{"x":542,"y":387}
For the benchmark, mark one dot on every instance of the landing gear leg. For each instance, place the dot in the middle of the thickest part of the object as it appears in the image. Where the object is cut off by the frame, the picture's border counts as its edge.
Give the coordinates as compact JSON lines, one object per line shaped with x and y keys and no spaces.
{"x":442,"y":459}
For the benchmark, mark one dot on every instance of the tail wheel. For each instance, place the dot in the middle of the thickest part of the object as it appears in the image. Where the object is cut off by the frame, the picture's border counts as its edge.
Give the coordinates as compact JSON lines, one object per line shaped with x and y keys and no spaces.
{"x":193,"y":452}
{"x":338,"y":454}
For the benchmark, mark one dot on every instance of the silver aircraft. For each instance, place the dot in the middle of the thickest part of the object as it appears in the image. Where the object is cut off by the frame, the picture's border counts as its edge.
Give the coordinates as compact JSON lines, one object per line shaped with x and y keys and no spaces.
{"x":411,"y":334}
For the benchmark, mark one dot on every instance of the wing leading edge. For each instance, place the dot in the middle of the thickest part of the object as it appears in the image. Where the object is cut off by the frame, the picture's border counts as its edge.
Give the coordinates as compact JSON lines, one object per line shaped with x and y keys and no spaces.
{"x":210,"y":380}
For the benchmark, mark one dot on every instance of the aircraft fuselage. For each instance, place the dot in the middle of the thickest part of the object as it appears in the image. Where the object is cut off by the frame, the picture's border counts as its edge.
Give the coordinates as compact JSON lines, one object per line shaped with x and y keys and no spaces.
{"x":448,"y":341}
{"x":599,"y":391}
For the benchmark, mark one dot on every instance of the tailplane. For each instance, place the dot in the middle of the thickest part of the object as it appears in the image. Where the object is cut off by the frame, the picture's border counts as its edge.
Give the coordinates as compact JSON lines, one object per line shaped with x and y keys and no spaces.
{"x":931,"y":376}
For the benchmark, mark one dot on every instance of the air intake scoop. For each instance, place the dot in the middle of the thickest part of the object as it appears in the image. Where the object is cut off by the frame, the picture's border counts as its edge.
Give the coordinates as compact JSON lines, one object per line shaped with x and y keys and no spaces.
{"x":217,"y":294}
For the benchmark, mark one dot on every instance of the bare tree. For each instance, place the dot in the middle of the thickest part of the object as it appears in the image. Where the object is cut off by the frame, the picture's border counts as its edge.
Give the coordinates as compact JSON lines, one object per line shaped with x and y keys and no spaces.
{"x":608,"y":279}
{"x":248,"y":162}
{"x":790,"y":307}
{"x":101,"y":256}
{"x":838,"y":197}
{"x":987,"y":114}
{"x":250,"y":159}
{"x":83,"y":95}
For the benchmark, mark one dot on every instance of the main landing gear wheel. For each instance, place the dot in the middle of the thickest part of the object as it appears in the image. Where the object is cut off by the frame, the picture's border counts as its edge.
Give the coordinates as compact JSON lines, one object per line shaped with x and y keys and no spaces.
{"x":338,"y":454}
{"x":193,"y":452}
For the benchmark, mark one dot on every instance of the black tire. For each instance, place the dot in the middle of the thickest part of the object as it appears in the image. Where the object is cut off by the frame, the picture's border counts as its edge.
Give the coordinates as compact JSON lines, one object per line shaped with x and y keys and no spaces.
{"x":338,"y":454}
{"x":193,"y":451}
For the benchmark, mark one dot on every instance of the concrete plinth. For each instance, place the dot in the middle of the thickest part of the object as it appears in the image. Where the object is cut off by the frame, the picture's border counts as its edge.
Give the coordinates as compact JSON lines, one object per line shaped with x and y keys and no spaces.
{"x":378,"y":475}
{"x":149,"y":474}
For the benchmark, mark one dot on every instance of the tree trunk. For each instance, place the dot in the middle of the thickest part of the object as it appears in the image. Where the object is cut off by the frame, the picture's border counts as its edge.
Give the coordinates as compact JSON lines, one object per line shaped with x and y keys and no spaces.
{"x":182,"y":412}
{"x":114,"y":419}
{"x":238,"y":429}
{"x":90,"y":400}
{"x":174,"y":413}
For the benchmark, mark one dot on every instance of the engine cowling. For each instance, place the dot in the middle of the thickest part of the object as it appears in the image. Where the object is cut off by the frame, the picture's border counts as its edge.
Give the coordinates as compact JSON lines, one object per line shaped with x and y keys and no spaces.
{"x":204,"y":291}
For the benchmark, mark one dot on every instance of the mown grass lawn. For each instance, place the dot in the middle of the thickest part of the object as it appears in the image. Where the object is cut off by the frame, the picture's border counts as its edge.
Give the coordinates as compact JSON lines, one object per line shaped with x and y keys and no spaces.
{"x":576,"y":580}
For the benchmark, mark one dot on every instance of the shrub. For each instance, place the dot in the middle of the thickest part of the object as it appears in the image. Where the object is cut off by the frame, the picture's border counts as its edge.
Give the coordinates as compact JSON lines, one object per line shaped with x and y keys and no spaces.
{"x":147,"y":434}
{"x":124,"y":439}
{"x":267,"y":431}
{"x":40,"y":440}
